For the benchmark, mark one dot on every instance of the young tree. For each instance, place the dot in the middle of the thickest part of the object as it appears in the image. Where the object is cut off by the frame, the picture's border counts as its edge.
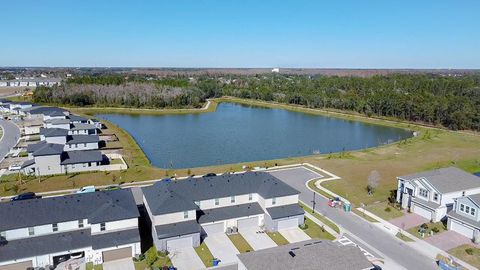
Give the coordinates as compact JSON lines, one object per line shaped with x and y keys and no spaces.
{"x":373,"y":181}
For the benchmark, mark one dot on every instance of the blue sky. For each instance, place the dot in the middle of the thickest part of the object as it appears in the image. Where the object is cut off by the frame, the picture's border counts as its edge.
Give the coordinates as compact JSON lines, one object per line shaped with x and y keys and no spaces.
{"x":247,"y":33}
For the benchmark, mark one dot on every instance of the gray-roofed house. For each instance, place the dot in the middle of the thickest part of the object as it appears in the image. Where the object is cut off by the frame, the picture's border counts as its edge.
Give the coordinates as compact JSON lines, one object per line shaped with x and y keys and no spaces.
{"x":432,"y":194}
{"x":100,"y":226}
{"x":183,"y":211}
{"x":307,"y":255}
{"x":46,"y":112}
{"x":464,"y":218}
{"x":50,"y":158}
{"x":71,"y":142}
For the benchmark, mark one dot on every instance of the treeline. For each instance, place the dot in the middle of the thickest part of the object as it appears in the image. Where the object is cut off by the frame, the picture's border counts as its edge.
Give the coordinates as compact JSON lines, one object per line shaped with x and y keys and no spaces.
{"x":453,"y":102}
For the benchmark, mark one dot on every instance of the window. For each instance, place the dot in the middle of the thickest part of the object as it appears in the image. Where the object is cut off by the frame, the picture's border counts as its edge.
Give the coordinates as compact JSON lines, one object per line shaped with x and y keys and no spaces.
{"x":80,"y":223}
{"x":55,"y":227}
{"x":250,"y":196}
{"x":232,"y":199}
{"x":185,"y":214}
{"x":3,"y":235}
{"x":435,"y":196}
{"x":462,"y":207}
{"x":423,"y":192}
{"x":463,"y":193}
{"x":217,"y":201}
{"x":274,"y":201}
{"x":472,"y":211}
{"x":31,"y":231}
{"x":85,"y":145}
{"x":102,"y":226}
{"x":197,"y":203}
{"x":467,"y":209}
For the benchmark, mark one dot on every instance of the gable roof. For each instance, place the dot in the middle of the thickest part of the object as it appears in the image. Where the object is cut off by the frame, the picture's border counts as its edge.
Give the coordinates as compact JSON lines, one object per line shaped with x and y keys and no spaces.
{"x":72,"y":139}
{"x":307,"y":255}
{"x":97,"y":207}
{"x":77,"y":118}
{"x":56,"y":121}
{"x":46,"y":110}
{"x":75,"y":157}
{"x":45,"y":149}
{"x":82,"y":126}
{"x":447,"y":180}
{"x":53,"y":132}
{"x":475,"y":198}
{"x":175,"y":196}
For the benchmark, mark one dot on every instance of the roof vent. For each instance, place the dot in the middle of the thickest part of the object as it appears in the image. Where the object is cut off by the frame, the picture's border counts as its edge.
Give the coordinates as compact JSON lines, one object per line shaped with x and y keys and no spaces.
{"x":291,"y":253}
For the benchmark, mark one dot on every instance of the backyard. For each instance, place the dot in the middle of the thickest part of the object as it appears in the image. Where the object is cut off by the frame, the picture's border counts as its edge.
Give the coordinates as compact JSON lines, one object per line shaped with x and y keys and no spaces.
{"x":467,"y":253}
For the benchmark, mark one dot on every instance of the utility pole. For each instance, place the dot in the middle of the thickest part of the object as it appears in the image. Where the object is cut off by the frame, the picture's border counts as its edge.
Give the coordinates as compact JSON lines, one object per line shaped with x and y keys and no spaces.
{"x":313,"y":202}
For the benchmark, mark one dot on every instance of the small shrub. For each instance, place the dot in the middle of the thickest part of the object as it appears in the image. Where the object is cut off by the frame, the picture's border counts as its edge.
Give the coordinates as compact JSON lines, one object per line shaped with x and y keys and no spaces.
{"x":435,"y":230}
{"x":303,"y":226}
{"x":151,"y":256}
{"x":469,"y":251}
{"x":388,"y":209}
{"x":424,"y":226}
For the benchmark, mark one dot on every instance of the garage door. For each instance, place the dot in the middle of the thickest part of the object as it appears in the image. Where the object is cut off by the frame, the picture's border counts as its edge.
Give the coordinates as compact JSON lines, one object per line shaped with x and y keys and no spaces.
{"x":178,"y":243}
{"x":287,"y":223}
{"x":213,"y":228}
{"x":422,"y":212}
{"x":17,"y":266}
{"x":117,"y":254}
{"x":247,"y":223}
{"x":461,"y":229}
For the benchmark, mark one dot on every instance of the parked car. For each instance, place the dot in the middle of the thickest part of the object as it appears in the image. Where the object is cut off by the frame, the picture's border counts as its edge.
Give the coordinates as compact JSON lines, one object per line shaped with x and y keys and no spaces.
{"x":210,"y":174}
{"x":113,"y":187}
{"x":86,"y":189}
{"x":25,"y":196}
{"x":14,"y":167}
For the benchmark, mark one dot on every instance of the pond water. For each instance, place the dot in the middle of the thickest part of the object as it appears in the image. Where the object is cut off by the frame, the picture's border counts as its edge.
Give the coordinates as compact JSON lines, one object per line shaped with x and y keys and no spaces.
{"x":237,"y":133}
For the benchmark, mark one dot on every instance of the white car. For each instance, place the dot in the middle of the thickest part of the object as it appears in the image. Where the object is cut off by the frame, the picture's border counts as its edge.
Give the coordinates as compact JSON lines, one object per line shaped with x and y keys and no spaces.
{"x":86,"y":189}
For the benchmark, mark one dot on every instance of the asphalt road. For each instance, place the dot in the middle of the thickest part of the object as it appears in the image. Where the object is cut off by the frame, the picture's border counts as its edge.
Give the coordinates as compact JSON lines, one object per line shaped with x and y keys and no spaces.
{"x":11,"y":134}
{"x":380,"y":240}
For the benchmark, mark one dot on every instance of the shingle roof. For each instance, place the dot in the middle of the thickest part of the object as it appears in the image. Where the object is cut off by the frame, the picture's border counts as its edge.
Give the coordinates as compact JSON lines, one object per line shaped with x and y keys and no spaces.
{"x":100,"y":206}
{"x":471,"y":222}
{"x":309,"y":255}
{"x":45,"y":149}
{"x":27,"y":163}
{"x":475,"y":198}
{"x":114,"y":239}
{"x":56,"y":121}
{"x":72,"y":139}
{"x":45,"y":110}
{"x":229,"y":212}
{"x":53,"y":132}
{"x":77,"y":118}
{"x":82,"y":126}
{"x":167,"y":197}
{"x":283,"y":211}
{"x":75,"y":157}
{"x":447,"y":180}
{"x":177,"y":229}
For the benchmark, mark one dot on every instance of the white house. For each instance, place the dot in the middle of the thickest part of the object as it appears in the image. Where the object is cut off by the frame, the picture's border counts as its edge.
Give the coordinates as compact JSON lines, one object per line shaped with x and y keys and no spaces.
{"x":464,"y":218}
{"x":181,"y":212}
{"x":432,"y":194}
{"x":99,"y":226}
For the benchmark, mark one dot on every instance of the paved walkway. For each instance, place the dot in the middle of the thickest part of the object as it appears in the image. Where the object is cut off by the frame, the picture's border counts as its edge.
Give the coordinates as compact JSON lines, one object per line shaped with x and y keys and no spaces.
{"x":257,"y":239}
{"x":222,"y":248}
{"x":294,"y":235}
{"x":185,"y":259}
{"x":122,"y":264}
{"x":11,"y":135}
{"x":447,"y":240}
{"x":409,"y":220}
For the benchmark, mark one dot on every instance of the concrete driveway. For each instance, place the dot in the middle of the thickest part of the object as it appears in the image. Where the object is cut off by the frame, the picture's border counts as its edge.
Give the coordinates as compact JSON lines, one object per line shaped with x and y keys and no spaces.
{"x":123,"y":264}
{"x":408,"y":221}
{"x":257,"y":239}
{"x":294,"y":235}
{"x":222,"y":248}
{"x":448,"y":240}
{"x":186,"y":259}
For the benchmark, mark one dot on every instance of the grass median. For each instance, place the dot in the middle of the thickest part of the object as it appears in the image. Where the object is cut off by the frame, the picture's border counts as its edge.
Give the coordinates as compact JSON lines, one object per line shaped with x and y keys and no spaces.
{"x":205,"y":255}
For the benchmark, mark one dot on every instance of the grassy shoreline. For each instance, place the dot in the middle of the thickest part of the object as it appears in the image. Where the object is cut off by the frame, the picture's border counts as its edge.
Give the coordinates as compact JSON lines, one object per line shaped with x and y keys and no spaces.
{"x":434,"y":147}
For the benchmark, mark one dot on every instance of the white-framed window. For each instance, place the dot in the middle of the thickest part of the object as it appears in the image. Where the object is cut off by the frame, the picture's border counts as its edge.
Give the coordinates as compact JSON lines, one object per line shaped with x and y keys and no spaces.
{"x":250,"y":196}
{"x":80,"y":223}
{"x":462,"y":207}
{"x":467,"y":209}
{"x":185,"y":214}
{"x":31,"y":231}
{"x":55,"y":227}
{"x":217,"y":201}
{"x":472,"y":211}
{"x":423,"y":192}
{"x":102,"y":226}
{"x":274,"y":201}
{"x":435,"y":196}
{"x":3,"y":235}
{"x":197,"y":203}
{"x":232,"y":199}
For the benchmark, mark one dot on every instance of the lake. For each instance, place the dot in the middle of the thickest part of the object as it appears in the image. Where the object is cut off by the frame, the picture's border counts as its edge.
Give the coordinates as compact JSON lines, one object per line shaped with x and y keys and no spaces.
{"x":237,"y":133}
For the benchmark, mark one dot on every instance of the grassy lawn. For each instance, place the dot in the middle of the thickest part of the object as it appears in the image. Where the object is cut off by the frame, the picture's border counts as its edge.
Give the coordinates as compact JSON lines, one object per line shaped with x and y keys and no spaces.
{"x":439,"y":226}
{"x":362,"y":215}
{"x":115,"y":161}
{"x":163,"y":260}
{"x":404,"y":237}
{"x":320,"y":217}
{"x":468,"y":254}
{"x":315,"y":231}
{"x":311,"y":184}
{"x":90,"y":266}
{"x":278,"y":238}
{"x":384,"y":210}
{"x":240,"y":243}
{"x":205,"y":254}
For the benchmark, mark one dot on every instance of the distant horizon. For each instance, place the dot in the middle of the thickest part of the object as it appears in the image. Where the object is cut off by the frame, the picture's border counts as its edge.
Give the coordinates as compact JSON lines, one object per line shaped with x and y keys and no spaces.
{"x":268,"y":68}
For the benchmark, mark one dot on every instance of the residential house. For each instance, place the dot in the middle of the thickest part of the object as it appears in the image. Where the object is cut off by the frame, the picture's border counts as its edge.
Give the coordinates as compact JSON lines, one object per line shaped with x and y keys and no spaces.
{"x":464,"y":218}
{"x":99,"y":226}
{"x":432,"y":194}
{"x":50,"y":158}
{"x":306,"y":255}
{"x":183,"y":211}
{"x":73,"y":128}
{"x":46,"y":113}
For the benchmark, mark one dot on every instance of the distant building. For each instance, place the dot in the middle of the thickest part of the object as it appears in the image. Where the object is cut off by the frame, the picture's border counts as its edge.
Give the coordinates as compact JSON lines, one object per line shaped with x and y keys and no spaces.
{"x":276,"y":70}
{"x":31,"y":82}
